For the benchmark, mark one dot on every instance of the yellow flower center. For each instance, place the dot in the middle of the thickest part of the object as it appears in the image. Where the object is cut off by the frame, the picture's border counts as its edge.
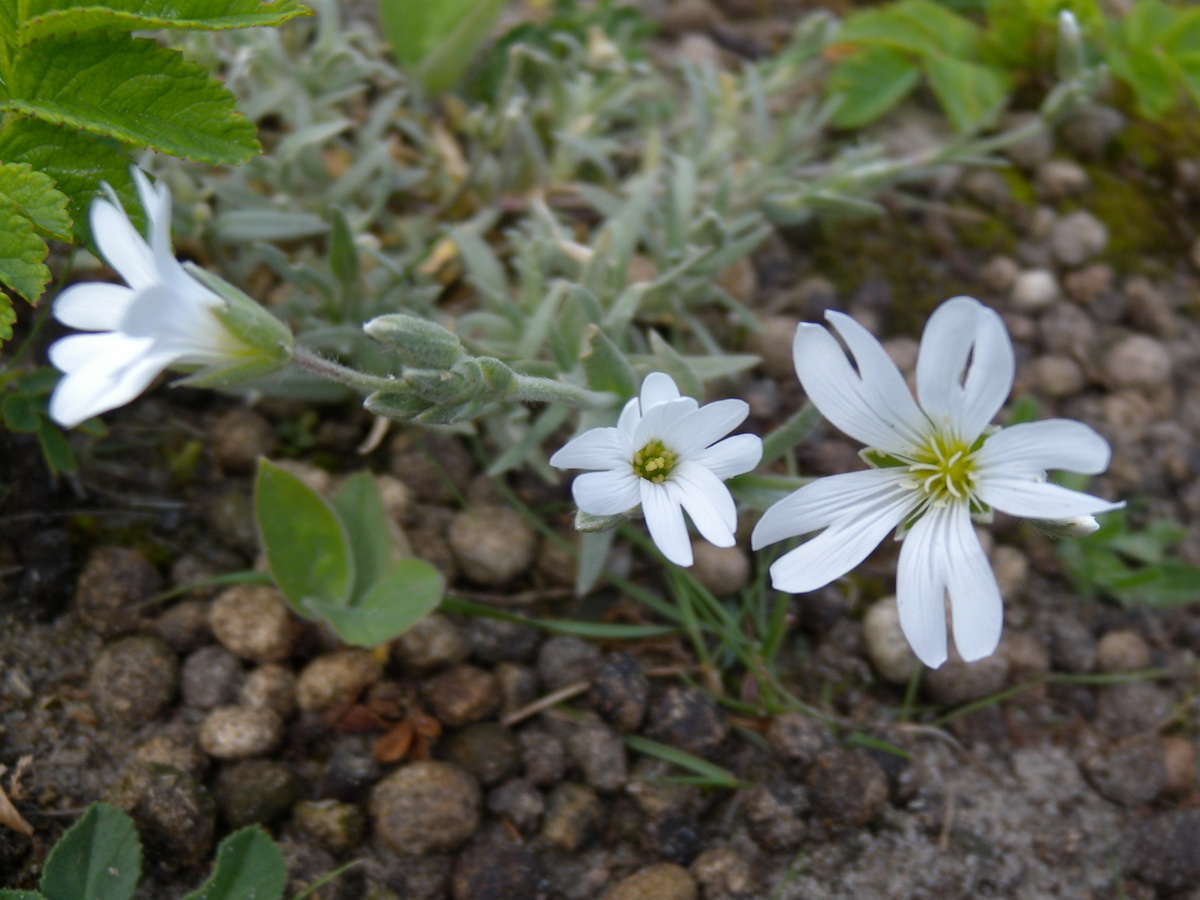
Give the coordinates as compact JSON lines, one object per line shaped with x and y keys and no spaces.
{"x":944,"y":470}
{"x":654,"y":462}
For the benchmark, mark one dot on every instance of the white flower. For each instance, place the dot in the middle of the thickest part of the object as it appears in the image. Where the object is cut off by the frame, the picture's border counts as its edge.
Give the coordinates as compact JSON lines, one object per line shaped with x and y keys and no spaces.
{"x":665,"y":453}
{"x":938,"y":464}
{"x":164,"y":318}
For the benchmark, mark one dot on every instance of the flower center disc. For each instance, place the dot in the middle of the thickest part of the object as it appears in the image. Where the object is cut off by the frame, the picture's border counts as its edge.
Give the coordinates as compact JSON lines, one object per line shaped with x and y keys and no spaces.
{"x":654,"y":462}
{"x":945,"y":470}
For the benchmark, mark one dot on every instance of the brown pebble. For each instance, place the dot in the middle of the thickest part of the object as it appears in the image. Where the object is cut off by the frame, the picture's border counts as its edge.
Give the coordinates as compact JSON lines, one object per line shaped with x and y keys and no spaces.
{"x":133,"y":680}
{"x":240,"y":732}
{"x":336,"y":678}
{"x":958,"y":682}
{"x":426,"y":807}
{"x":620,"y":690}
{"x":433,"y":642}
{"x":253,"y":621}
{"x":496,"y":872}
{"x":723,"y":570}
{"x":113,"y":584}
{"x":1131,"y":773}
{"x":574,"y":814}
{"x":1122,"y":651}
{"x":462,"y":695}
{"x":1179,"y":760}
{"x":662,"y":881}
{"x":272,"y":687}
{"x":239,"y":437}
{"x":847,"y":787}
{"x":492,"y":544}
{"x":184,"y":626}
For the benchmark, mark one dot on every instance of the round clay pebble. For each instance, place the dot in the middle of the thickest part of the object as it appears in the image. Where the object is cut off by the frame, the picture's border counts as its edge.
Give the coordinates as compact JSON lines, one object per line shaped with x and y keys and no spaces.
{"x":1058,"y":376}
{"x":1179,"y":760}
{"x":133,"y":680}
{"x":211,"y":677}
{"x":564,"y":660}
{"x":493,"y":640}
{"x":574,"y":815}
{"x":774,"y":815}
{"x":620,"y":691}
{"x":492,"y":872}
{"x":462,"y":695}
{"x":957,"y":682}
{"x":255,"y":792}
{"x":184,"y":626}
{"x":1072,"y":646}
{"x":519,"y":802}
{"x":1129,"y":774}
{"x":798,"y":740}
{"x":487,"y":750}
{"x":662,"y":881}
{"x":176,"y":817}
{"x":239,"y":437}
{"x":335,"y":825}
{"x":1122,"y":651}
{"x":252,"y":621}
{"x":1011,"y":568}
{"x":336,"y":678}
{"x":1162,"y":850}
{"x":600,"y":754}
{"x":887,"y":647}
{"x":687,"y":718}
{"x":426,"y":807}
{"x":1026,"y":654}
{"x":1138,"y":361}
{"x":543,"y":756}
{"x":1034,"y":290}
{"x":773,"y":345}
{"x":239,"y":732}
{"x":725,"y":870}
{"x":272,"y":687}
{"x":1077,"y":237}
{"x":1129,"y":710}
{"x":433,"y":642}
{"x":847,"y":787}
{"x":492,"y":544}
{"x":178,"y":749}
{"x":111,"y":587}
{"x":723,"y":570}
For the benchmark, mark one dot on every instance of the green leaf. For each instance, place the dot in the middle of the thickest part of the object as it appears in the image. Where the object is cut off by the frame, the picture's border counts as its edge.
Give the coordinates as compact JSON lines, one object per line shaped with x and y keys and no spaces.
{"x":132,"y":90}
{"x":56,"y":449}
{"x":20,"y":413}
{"x":395,"y":604}
{"x":99,"y":858}
{"x":438,"y":40}
{"x":307,"y":548}
{"x":343,"y":254}
{"x":606,"y":367}
{"x":669,"y":360}
{"x":249,"y":865}
{"x":971,"y":94}
{"x":8,"y":315}
{"x":710,"y":772}
{"x":21,"y":895}
{"x":869,"y":83}
{"x":35,"y":195}
{"x":21,"y":253}
{"x":1148,"y":75}
{"x":369,"y":529}
{"x":919,"y":27}
{"x":8,"y":22}
{"x":42,"y":18}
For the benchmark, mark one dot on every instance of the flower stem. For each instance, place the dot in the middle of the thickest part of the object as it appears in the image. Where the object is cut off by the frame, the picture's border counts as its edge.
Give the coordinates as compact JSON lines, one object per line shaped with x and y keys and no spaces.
{"x":318,"y":365}
{"x":533,"y":389}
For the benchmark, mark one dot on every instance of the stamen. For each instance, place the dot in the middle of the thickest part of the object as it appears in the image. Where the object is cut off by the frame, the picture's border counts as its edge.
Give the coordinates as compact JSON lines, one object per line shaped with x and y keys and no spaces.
{"x":654,"y":462}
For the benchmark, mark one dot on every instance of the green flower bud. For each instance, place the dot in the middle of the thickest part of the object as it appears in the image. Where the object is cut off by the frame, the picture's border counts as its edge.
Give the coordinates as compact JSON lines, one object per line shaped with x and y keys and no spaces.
{"x":400,"y":406}
{"x":419,"y":343}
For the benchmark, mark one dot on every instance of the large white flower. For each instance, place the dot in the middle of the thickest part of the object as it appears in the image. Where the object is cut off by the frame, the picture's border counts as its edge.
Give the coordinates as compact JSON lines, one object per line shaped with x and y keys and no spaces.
{"x":937,"y":465}
{"x":665,"y":453}
{"x":164,"y":318}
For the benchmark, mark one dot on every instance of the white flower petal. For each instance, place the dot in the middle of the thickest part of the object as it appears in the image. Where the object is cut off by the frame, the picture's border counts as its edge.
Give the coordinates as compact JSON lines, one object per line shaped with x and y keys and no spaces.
{"x":978,"y":611}
{"x":840,"y":547}
{"x":664,"y":519}
{"x":708,"y":424}
{"x":93,"y":305}
{"x":955,"y":395}
{"x":732,"y":456}
{"x":706,"y":500}
{"x":156,"y":202}
{"x":110,"y":379}
{"x":599,"y":448}
{"x":182,"y":326}
{"x":827,"y":500}
{"x":123,"y":248}
{"x":657,"y":387}
{"x":606,"y":493}
{"x":659,"y":421}
{"x":921,"y":586}
{"x":74,"y":352}
{"x":627,"y":423}
{"x":1035,"y":447}
{"x":1038,"y":499}
{"x":873,"y":415}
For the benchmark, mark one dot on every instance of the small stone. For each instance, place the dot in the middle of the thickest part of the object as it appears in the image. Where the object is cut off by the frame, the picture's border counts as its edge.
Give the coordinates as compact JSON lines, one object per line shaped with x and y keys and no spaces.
{"x":1058,"y":376}
{"x":1027,"y":656}
{"x":239,"y":732}
{"x":519,"y":802}
{"x":255,"y":792}
{"x":1092,"y":129}
{"x":1127,"y":710}
{"x":1035,"y":149}
{"x":565,"y":659}
{"x":230,"y":516}
{"x":133,"y":680}
{"x":492,"y":544}
{"x":174,"y":747}
{"x":1077,"y":237}
{"x":1129,"y":774}
{"x":239,"y":438}
{"x":574,"y":815}
{"x":544,"y":756}
{"x":176,"y":817}
{"x":775,"y":814}
{"x":723,"y":570}
{"x":887,"y":647}
{"x":689,"y":15}
{"x":334,"y":825}
{"x":436,"y":467}
{"x":847,"y":787}
{"x":494,"y":640}
{"x":687,"y":718}
{"x":351,"y":769}
{"x":462,"y":695}
{"x":773,"y":345}
{"x":1058,"y":179}
{"x":1179,"y":761}
{"x":1162,"y":850}
{"x":662,"y":881}
{"x":1138,"y":361}
{"x":399,"y":501}
{"x":1034,"y":290}
{"x":1011,"y":568}
{"x":657,"y":797}
{"x":491,"y":872}
{"x":999,"y":273}
{"x":1149,"y":308}
{"x":699,"y":50}
{"x":1091,"y":286}
{"x":1066,"y":330}
{"x":958,"y":682}
{"x":184,"y":626}
{"x":252,"y":621}
{"x":272,"y":687}
{"x":426,"y":807}
{"x":1122,"y":651}
{"x":111,"y":588}
{"x":336,"y":679}
{"x":487,"y":750}
{"x":600,"y":754}
{"x":1072,"y":647}
{"x":798,"y":740}
{"x":432,"y":643}
{"x":519,"y":686}
{"x":211,"y":677}
{"x":620,"y":691}
{"x":986,"y":187}
{"x":725,"y":872}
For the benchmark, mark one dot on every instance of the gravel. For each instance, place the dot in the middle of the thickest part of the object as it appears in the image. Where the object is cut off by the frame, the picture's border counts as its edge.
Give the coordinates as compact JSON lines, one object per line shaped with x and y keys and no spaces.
{"x":426,"y":807}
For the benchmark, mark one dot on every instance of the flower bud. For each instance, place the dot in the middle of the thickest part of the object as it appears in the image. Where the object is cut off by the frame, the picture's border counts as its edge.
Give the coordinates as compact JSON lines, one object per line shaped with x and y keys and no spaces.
{"x":400,"y":406}
{"x":1071,"y":59}
{"x":586,"y":522}
{"x":420,"y":343}
{"x":497,"y":378}
{"x":1076,"y":526}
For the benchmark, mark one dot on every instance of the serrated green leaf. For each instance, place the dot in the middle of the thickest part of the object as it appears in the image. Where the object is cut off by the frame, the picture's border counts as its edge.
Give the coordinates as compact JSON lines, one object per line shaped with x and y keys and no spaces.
{"x":56,"y":449}
{"x":919,"y":27}
{"x":8,"y":315}
{"x":21,"y":254}
{"x":305,"y":542}
{"x":369,"y":529}
{"x":249,"y":865}
{"x":410,"y":592}
{"x":869,"y":83}
{"x":21,"y":895}
{"x":133,"y":90}
{"x":970,"y":93}
{"x":35,"y":195}
{"x":42,"y":18}
{"x":8,"y":22}
{"x":1149,"y":76}
{"x":99,"y":858}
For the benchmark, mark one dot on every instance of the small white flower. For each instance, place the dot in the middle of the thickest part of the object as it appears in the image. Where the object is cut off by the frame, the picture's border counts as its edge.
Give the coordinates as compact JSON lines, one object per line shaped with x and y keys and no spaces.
{"x":938,"y":464}
{"x":665,"y":453}
{"x":164,"y":318}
